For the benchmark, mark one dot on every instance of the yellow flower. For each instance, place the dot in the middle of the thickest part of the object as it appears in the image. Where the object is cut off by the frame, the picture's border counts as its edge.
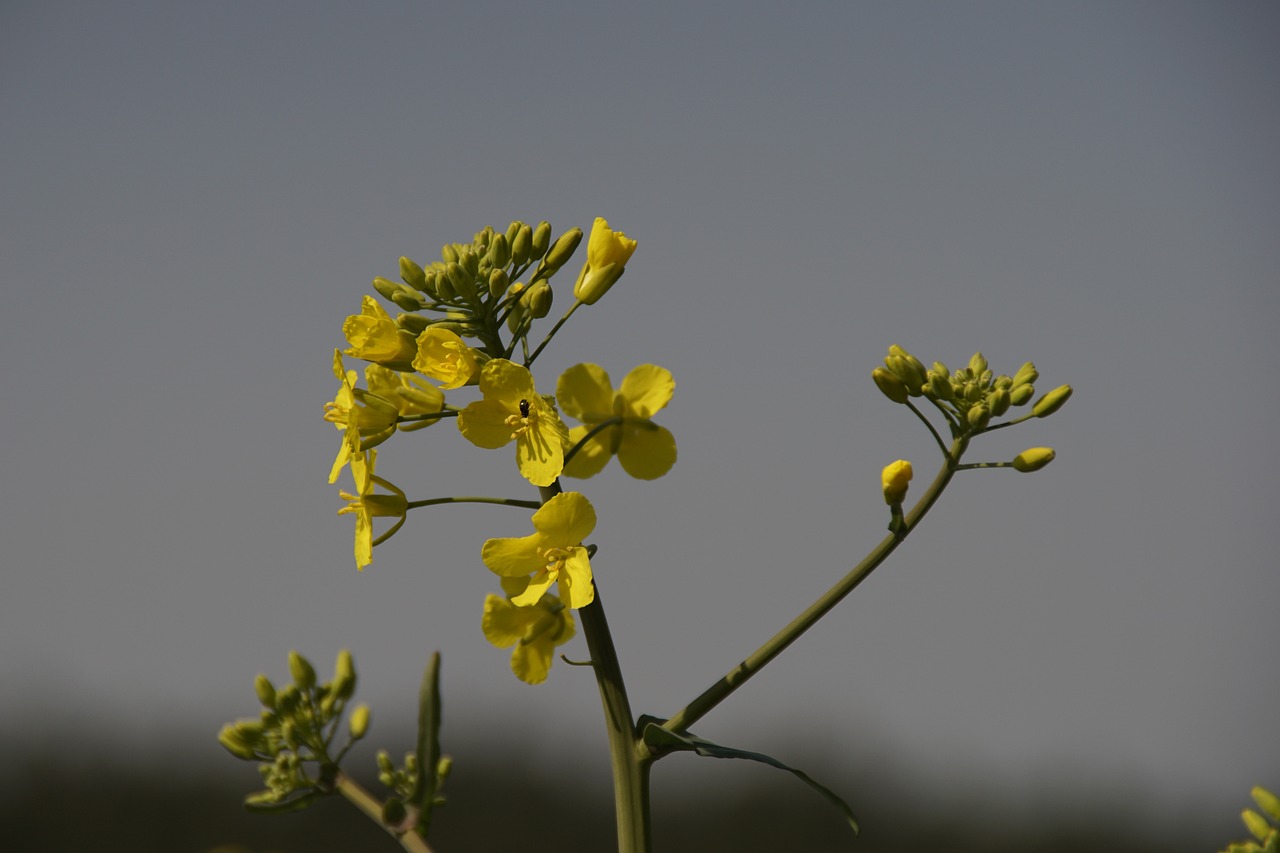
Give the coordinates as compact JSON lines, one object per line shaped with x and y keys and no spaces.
{"x":512,"y":409}
{"x":529,"y":565}
{"x":535,"y":631}
{"x":366,"y":419}
{"x":607,"y":254}
{"x":410,"y":395}
{"x":374,"y":336}
{"x":445,"y":357}
{"x":894,"y":478}
{"x":646,"y":450}
{"x":365,"y":505}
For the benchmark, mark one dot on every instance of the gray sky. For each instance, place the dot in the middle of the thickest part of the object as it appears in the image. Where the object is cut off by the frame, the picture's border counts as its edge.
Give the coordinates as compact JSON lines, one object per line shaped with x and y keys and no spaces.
{"x":195,"y":195}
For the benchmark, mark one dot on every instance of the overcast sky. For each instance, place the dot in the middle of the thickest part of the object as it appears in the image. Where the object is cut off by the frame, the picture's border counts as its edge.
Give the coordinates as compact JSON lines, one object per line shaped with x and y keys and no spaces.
{"x":196,"y":195}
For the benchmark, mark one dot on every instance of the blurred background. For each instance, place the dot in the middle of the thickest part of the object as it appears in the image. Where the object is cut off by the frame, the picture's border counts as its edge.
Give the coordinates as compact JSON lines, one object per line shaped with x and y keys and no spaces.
{"x":196,"y":195}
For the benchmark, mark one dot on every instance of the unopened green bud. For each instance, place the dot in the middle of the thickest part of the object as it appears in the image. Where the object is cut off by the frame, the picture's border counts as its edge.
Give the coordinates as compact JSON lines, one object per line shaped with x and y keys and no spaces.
{"x":977,"y":364}
{"x":890,"y":385}
{"x":304,"y":674}
{"x":940,"y":386}
{"x":408,"y":299}
{"x":443,"y":767}
{"x":984,"y":378}
{"x":449,"y":254}
{"x":499,"y":251}
{"x":413,"y":275}
{"x":463,"y":284}
{"x":1051,"y":402}
{"x":1022,"y":394}
{"x":979,"y":416}
{"x":414,"y":324}
{"x":513,"y":229}
{"x":444,"y":289}
{"x":233,"y":740}
{"x":541,"y":239}
{"x":1033,"y":459}
{"x":266,"y":690}
{"x":386,"y":287}
{"x":999,"y":400}
{"x":359,"y":722}
{"x":560,"y":253}
{"x":383,"y":759}
{"x":288,"y":698}
{"x":470,"y":262}
{"x":1266,"y":801}
{"x":1026,"y":375}
{"x":973,"y":392}
{"x":907,"y":367}
{"x":537,"y":299}
{"x":344,"y":675}
{"x":498,"y":282}
{"x":521,"y":246}
{"x":1256,"y":823}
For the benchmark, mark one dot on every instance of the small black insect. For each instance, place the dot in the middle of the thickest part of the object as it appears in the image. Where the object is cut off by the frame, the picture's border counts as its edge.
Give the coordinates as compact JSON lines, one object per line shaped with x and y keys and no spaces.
{"x":524,"y":408}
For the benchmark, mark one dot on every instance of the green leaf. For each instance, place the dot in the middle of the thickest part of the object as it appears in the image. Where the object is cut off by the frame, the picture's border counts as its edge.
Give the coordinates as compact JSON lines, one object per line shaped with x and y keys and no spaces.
{"x":661,"y":742}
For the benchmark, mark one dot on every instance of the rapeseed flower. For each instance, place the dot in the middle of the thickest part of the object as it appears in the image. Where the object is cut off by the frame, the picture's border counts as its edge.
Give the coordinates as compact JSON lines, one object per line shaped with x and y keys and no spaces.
{"x":410,"y":395}
{"x":607,"y":254}
{"x":374,"y":336}
{"x":529,"y":565}
{"x":513,"y":410}
{"x":535,"y":631}
{"x":894,"y":479}
{"x":445,"y":357}
{"x":645,"y":450}
{"x":366,"y":419}
{"x":365,"y":505}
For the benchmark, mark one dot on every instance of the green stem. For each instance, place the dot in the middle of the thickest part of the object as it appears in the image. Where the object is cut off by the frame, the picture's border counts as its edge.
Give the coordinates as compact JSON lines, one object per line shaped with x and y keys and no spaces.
{"x":473,"y":500}
{"x":736,"y":677}
{"x":367,"y":803}
{"x":628,"y":755}
{"x":528,"y":361}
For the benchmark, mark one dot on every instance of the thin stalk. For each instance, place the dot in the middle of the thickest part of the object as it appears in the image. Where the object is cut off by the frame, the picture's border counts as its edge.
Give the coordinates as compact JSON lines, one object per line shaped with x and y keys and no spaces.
{"x":529,"y":360}
{"x":736,"y":677}
{"x":628,"y":755}
{"x":367,"y":803}
{"x":473,"y":500}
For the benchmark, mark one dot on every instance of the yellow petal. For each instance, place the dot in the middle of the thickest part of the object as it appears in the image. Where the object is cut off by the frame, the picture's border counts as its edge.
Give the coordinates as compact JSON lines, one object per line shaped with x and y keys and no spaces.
{"x":585,"y":393}
{"x":565,"y":520}
{"x":647,"y":454}
{"x":647,"y":389}
{"x":591,"y":457}
{"x":484,"y":424}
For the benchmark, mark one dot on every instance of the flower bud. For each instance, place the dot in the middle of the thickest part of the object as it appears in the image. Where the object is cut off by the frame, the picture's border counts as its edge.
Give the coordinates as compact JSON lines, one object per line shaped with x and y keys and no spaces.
{"x":977,"y":364}
{"x":1051,"y":402}
{"x":1033,"y":459}
{"x":444,"y":767}
{"x":890,"y":385}
{"x":498,"y":282}
{"x":413,"y":275}
{"x":607,"y":254}
{"x":512,"y":230}
{"x":1266,"y":801}
{"x":538,"y":299}
{"x":1256,"y":823}
{"x":444,"y":289}
{"x":407,"y":299}
{"x":383,"y":758}
{"x":463,"y":284}
{"x":238,"y":741}
{"x":894,"y":479}
{"x":470,"y":263}
{"x":449,"y":253}
{"x":940,"y":386}
{"x":999,"y":400}
{"x":979,"y":416}
{"x":266,"y":691}
{"x":359,"y":721}
{"x":1022,"y":394}
{"x":907,"y":367}
{"x":1026,"y":375}
{"x":541,"y":239}
{"x":386,"y":287}
{"x":521,"y":246}
{"x":304,"y":674}
{"x":499,"y":251}
{"x":344,"y":675}
{"x":414,"y":324}
{"x":559,"y":253}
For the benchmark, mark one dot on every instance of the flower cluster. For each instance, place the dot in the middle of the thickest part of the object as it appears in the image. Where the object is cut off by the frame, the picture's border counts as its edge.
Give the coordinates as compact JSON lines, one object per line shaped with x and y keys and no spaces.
{"x":465,"y":322}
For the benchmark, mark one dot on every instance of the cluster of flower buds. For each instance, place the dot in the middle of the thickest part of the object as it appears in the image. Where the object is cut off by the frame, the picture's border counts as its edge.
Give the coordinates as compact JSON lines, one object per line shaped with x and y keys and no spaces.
{"x":296,"y":728}
{"x":401,"y":780}
{"x":971,"y":396}
{"x":1267,"y":834}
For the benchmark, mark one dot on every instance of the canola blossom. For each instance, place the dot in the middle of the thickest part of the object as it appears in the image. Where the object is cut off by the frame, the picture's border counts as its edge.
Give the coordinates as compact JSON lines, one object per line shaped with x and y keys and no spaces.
{"x":365,"y":505}
{"x":535,"y":631}
{"x":607,"y":254}
{"x":365,"y":418}
{"x":645,"y":450}
{"x":554,"y":554}
{"x":374,"y":336}
{"x":512,"y":410}
{"x":894,"y":479}
{"x":445,"y":357}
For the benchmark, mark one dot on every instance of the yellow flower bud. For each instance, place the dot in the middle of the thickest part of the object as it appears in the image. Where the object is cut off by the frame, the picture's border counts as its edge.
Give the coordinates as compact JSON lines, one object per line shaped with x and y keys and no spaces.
{"x":890,"y":385}
{"x":522,"y":245}
{"x":498,"y":282}
{"x":999,"y":400}
{"x":359,"y":721}
{"x":304,"y":674}
{"x":1022,"y":394}
{"x":894,"y":479}
{"x":1026,"y":375}
{"x":499,"y":251}
{"x":1051,"y":402}
{"x":240,"y":738}
{"x":541,"y":239}
{"x":413,"y":275}
{"x":1033,"y":459}
{"x":344,"y":675}
{"x":607,"y":254}
{"x":537,"y":299}
{"x":1266,"y":801}
{"x":1256,"y":823}
{"x":266,"y":691}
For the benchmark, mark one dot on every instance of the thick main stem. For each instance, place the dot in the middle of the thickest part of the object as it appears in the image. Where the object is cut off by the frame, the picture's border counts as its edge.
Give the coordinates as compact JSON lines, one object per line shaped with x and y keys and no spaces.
{"x":736,"y":677}
{"x":627,"y":753}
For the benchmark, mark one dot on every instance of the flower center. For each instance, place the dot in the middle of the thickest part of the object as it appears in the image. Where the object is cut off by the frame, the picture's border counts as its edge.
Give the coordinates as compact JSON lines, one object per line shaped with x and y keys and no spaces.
{"x":519,"y":423}
{"x":555,"y":559}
